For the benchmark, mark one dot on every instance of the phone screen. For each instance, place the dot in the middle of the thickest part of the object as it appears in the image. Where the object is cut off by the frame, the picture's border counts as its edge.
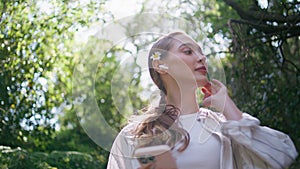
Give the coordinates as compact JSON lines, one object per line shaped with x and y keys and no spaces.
{"x":160,"y":156}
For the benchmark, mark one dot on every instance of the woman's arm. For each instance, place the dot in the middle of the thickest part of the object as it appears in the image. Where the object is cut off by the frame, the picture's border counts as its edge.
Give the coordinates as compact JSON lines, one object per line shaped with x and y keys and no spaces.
{"x":257,"y":146}
{"x":253,"y":145}
{"x":121,"y":153}
{"x":121,"y":156}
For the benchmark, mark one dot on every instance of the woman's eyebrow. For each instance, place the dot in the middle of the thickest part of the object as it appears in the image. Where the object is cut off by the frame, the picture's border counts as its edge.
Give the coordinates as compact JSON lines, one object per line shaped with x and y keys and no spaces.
{"x":185,"y":44}
{"x":190,"y":45}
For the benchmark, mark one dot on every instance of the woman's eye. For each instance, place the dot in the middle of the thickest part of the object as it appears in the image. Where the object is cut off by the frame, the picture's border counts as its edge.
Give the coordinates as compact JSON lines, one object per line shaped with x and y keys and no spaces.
{"x":188,"y":52}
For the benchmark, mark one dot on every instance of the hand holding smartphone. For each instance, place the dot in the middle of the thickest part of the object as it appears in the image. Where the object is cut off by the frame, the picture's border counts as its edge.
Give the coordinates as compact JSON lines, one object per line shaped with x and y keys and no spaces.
{"x":158,"y":157}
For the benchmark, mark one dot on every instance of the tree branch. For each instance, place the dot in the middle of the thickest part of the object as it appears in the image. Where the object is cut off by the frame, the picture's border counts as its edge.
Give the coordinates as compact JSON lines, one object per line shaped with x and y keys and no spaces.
{"x":260,"y":15}
{"x":280,"y":29}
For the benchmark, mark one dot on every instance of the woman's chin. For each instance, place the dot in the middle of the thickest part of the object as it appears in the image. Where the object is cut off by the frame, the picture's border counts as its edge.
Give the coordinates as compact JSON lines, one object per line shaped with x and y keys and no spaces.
{"x":201,"y":82}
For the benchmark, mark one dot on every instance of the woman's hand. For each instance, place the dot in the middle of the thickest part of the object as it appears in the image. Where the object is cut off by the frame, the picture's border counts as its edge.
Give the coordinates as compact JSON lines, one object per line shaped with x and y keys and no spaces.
{"x":162,"y":161}
{"x":216,"y":96}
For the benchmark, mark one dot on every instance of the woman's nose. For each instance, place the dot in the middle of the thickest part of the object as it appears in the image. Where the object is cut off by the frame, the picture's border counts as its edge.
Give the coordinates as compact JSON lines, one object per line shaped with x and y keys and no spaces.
{"x":201,"y":58}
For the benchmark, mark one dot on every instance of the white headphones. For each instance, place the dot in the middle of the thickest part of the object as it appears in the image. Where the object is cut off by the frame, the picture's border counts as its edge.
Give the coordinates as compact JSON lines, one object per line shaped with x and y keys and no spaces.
{"x":163,"y":67}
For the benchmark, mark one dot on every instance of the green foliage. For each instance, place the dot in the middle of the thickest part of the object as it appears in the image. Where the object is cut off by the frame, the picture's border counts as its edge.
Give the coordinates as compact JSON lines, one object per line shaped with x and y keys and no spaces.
{"x":20,"y":158}
{"x":36,"y":61}
{"x":77,"y":140}
{"x":263,"y":68}
{"x":38,"y":58}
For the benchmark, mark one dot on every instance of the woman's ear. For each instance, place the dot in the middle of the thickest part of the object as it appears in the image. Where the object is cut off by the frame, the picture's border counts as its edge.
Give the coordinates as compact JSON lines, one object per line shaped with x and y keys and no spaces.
{"x":159,"y":66}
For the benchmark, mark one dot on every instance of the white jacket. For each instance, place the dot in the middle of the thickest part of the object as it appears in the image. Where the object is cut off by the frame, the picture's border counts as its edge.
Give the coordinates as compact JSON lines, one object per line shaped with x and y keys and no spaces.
{"x":244,"y":144}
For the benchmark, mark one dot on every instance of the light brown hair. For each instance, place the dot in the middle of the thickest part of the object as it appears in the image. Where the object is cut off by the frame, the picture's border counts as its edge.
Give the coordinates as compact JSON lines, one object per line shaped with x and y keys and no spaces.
{"x":161,"y":126}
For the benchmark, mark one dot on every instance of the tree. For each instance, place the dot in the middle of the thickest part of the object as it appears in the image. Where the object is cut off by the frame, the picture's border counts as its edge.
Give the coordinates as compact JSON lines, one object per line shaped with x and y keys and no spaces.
{"x":263,"y":65}
{"x":36,"y":61}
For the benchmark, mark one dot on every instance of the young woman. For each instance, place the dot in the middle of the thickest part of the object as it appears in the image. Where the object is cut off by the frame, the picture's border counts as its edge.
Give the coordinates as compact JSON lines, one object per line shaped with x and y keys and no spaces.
{"x":198,"y":137}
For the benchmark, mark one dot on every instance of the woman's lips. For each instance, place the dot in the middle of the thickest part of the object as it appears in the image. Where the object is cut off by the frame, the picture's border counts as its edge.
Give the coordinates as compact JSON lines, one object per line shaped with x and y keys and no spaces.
{"x":201,"y":69}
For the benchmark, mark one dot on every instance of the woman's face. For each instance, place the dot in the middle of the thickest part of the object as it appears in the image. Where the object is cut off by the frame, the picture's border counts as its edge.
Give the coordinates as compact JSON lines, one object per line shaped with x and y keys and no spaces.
{"x":186,"y":61}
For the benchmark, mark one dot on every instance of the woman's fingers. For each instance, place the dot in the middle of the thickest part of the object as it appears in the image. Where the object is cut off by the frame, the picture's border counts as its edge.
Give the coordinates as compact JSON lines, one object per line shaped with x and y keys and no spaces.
{"x":217,"y":97}
{"x":217,"y":83}
{"x":207,"y":101}
{"x":216,"y":86}
{"x":206,"y":92}
{"x":208,"y":87}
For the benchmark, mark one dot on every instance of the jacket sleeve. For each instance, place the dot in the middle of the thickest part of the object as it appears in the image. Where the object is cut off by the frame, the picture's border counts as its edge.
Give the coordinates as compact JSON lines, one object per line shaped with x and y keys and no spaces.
{"x":255,"y":146}
{"x":121,"y":153}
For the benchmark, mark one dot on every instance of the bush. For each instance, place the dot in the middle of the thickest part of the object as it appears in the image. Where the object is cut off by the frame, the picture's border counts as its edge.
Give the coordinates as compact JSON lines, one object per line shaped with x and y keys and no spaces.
{"x":18,"y":158}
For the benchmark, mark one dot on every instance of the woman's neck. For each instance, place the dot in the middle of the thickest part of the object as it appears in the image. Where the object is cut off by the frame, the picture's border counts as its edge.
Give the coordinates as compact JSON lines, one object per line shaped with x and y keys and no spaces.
{"x":185,"y":100}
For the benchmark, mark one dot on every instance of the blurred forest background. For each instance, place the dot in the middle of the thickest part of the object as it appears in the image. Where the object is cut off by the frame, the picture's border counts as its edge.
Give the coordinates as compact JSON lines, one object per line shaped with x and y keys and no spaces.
{"x":258,"y":42}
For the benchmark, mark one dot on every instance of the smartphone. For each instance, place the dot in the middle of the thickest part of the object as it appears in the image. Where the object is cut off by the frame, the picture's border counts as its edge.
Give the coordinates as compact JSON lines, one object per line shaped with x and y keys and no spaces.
{"x":160,"y":155}
{"x":151,"y":151}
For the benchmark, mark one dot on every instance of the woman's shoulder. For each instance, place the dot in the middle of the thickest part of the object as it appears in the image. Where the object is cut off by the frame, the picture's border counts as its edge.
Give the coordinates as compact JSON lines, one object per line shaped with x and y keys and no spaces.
{"x":129,"y":128}
{"x":133,"y":123}
{"x":127,"y":134}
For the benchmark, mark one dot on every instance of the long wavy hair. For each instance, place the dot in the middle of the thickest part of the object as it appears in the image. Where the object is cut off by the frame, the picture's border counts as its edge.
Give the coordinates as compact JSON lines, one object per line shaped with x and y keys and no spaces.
{"x":161,"y":126}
